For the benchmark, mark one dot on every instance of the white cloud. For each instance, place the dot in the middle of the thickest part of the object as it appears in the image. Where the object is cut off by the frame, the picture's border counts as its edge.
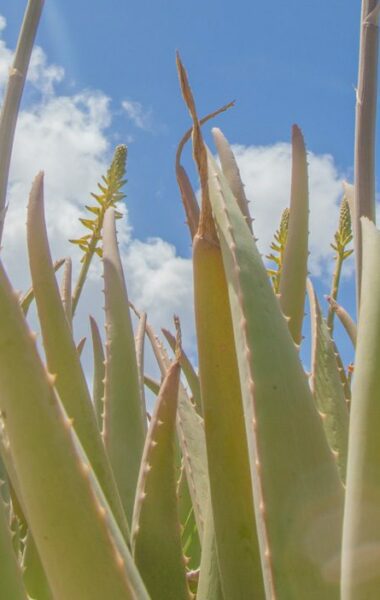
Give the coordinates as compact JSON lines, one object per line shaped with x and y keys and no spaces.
{"x":41,"y":74}
{"x":140,"y":117}
{"x":160,"y":282}
{"x":266,"y":172}
{"x":3,"y":23}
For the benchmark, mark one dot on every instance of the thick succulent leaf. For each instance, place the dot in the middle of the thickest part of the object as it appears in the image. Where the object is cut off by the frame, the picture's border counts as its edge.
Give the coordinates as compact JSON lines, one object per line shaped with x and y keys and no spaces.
{"x":227,"y":451}
{"x":61,"y":353}
{"x":189,"y":371}
{"x":294,"y":267}
{"x":66,"y":290}
{"x":189,"y":200}
{"x":27,"y":298}
{"x":326,"y":385}
{"x":346,"y":320}
{"x":81,"y":344}
{"x":209,"y":585}
{"x":297,"y":491}
{"x":34,"y":575}
{"x":82,"y":550}
{"x":152,"y":384}
{"x":190,"y":539}
{"x":361,"y":531}
{"x":11,"y":583}
{"x":191,"y":436}
{"x":124,"y":428}
{"x":231,"y":172}
{"x":156,"y":535}
{"x":140,"y":348}
{"x":98,"y":373}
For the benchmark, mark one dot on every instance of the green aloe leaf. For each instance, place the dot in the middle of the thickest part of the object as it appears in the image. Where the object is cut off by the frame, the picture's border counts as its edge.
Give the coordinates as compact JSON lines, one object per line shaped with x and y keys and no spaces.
{"x":326,"y":385}
{"x":156,"y":535}
{"x":232,"y":173}
{"x":297,"y":490}
{"x":227,"y":452}
{"x":345,"y":318}
{"x":189,"y":372}
{"x":83,"y":552}
{"x":209,"y":585}
{"x":61,"y":353}
{"x":66,"y":290}
{"x":191,"y":437}
{"x":294,"y":267}
{"x":140,"y":350}
{"x":190,"y":539}
{"x":361,"y":531}
{"x":34,"y":574}
{"x":27,"y":298}
{"x":99,"y":372}
{"x":152,"y":384}
{"x":11,"y":584}
{"x":124,"y":428}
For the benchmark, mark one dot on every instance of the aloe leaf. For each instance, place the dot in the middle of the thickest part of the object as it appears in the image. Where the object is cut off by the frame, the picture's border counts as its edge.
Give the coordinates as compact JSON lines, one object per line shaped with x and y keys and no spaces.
{"x":123,"y":419}
{"x":361,"y":530}
{"x":156,"y":536}
{"x":99,"y":372}
{"x":152,"y":384}
{"x":61,"y":353}
{"x":13,"y":93}
{"x":27,"y":298}
{"x":326,"y":385}
{"x":209,"y":586}
{"x":345,"y":318}
{"x":34,"y":574}
{"x":82,"y":550}
{"x":294,"y":267}
{"x":227,"y":455}
{"x":11,"y":584}
{"x":189,"y":200}
{"x":66,"y":290}
{"x":190,"y":539}
{"x":81,"y":345}
{"x":297,"y":491}
{"x":140,"y":347}
{"x":232,"y":173}
{"x":191,"y":436}
{"x":189,"y":372}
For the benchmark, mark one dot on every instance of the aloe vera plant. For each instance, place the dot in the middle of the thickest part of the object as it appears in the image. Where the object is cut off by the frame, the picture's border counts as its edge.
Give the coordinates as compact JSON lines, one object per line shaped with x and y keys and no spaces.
{"x":249,"y":478}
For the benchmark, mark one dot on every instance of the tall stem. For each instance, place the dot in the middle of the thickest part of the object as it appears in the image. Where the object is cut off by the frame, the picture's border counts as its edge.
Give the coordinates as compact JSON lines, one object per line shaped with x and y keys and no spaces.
{"x":334,"y":290}
{"x":365,"y":128}
{"x":85,"y":267}
{"x":13,"y":94}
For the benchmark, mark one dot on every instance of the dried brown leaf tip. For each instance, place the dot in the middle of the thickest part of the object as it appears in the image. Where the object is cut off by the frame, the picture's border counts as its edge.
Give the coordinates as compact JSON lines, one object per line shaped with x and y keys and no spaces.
{"x":206,"y":226}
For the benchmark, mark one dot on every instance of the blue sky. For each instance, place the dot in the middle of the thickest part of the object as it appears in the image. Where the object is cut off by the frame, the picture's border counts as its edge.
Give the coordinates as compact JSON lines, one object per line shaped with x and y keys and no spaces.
{"x":281,"y":62}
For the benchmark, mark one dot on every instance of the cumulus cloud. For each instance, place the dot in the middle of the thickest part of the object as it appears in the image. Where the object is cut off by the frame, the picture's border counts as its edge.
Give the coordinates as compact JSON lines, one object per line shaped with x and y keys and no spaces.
{"x":139,"y":116}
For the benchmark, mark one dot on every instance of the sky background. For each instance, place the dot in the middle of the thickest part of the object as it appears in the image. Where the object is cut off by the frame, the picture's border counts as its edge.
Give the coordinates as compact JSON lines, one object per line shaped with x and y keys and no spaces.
{"x":103,"y":73}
